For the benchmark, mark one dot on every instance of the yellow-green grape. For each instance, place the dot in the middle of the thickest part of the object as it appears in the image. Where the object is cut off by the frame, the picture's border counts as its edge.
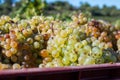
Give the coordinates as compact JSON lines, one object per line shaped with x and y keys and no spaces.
{"x":89,"y":60}
{"x":96,"y":52}
{"x":29,"y":31}
{"x":81,"y":59}
{"x":55,"y":53}
{"x":58,"y":65}
{"x":63,"y":33}
{"x":117,"y":25}
{"x":96,"y":43}
{"x":41,"y":65}
{"x":71,"y":42}
{"x":37,"y":37}
{"x":101,"y":45}
{"x":93,"y":39}
{"x":57,"y":62}
{"x":30,"y":40}
{"x":36,"y":45}
{"x":73,"y":64}
{"x":13,"y":50}
{"x":69,"y":30}
{"x":84,"y":42}
{"x":78,"y":45}
{"x":66,"y":60}
{"x":73,"y":57}
{"x":1,"y":22}
{"x":24,"y":23}
{"x":87,"y":48}
{"x":16,"y":66}
{"x":84,"y":19}
{"x":65,"y":53}
{"x":69,"y":47}
{"x":81,"y":51}
{"x":49,"y":64}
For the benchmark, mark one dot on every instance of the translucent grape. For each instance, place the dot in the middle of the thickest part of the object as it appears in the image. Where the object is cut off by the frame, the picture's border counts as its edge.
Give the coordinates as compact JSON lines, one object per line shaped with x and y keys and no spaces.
{"x":16,"y":66}
{"x":72,"y":57}
{"x":36,"y":45}
{"x":65,"y":60}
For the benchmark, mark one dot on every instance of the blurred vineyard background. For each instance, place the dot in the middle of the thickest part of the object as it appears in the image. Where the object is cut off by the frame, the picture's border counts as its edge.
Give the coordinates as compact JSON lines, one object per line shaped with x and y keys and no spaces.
{"x":59,"y":9}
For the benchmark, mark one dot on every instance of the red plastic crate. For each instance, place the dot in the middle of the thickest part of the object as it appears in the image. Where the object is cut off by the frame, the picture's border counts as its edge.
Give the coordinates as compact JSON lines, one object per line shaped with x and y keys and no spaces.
{"x":91,"y":72}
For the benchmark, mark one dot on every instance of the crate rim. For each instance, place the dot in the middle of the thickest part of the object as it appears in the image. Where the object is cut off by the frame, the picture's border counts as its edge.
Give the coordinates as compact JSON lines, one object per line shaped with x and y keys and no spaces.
{"x":41,"y":71}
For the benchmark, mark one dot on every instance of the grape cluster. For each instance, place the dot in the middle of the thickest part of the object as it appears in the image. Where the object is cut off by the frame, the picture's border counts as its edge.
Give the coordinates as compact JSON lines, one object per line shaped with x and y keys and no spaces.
{"x":22,"y":43}
{"x":81,"y":44}
{"x":49,"y":42}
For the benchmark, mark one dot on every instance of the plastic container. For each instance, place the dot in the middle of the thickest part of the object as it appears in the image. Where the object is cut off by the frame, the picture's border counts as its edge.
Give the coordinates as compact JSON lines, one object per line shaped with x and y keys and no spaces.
{"x":92,"y":72}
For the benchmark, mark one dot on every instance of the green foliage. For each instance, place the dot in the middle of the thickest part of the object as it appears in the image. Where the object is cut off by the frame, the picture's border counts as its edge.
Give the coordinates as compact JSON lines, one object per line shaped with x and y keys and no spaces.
{"x":6,"y":8}
{"x":30,"y":8}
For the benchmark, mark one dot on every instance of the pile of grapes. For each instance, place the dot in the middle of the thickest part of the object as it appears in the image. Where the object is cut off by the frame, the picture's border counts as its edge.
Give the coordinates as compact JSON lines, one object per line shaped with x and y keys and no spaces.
{"x":49,"y":42}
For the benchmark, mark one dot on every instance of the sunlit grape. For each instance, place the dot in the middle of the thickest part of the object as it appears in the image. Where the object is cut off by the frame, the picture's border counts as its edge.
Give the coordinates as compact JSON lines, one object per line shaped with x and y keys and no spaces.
{"x":36,"y":45}
{"x":16,"y":66}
